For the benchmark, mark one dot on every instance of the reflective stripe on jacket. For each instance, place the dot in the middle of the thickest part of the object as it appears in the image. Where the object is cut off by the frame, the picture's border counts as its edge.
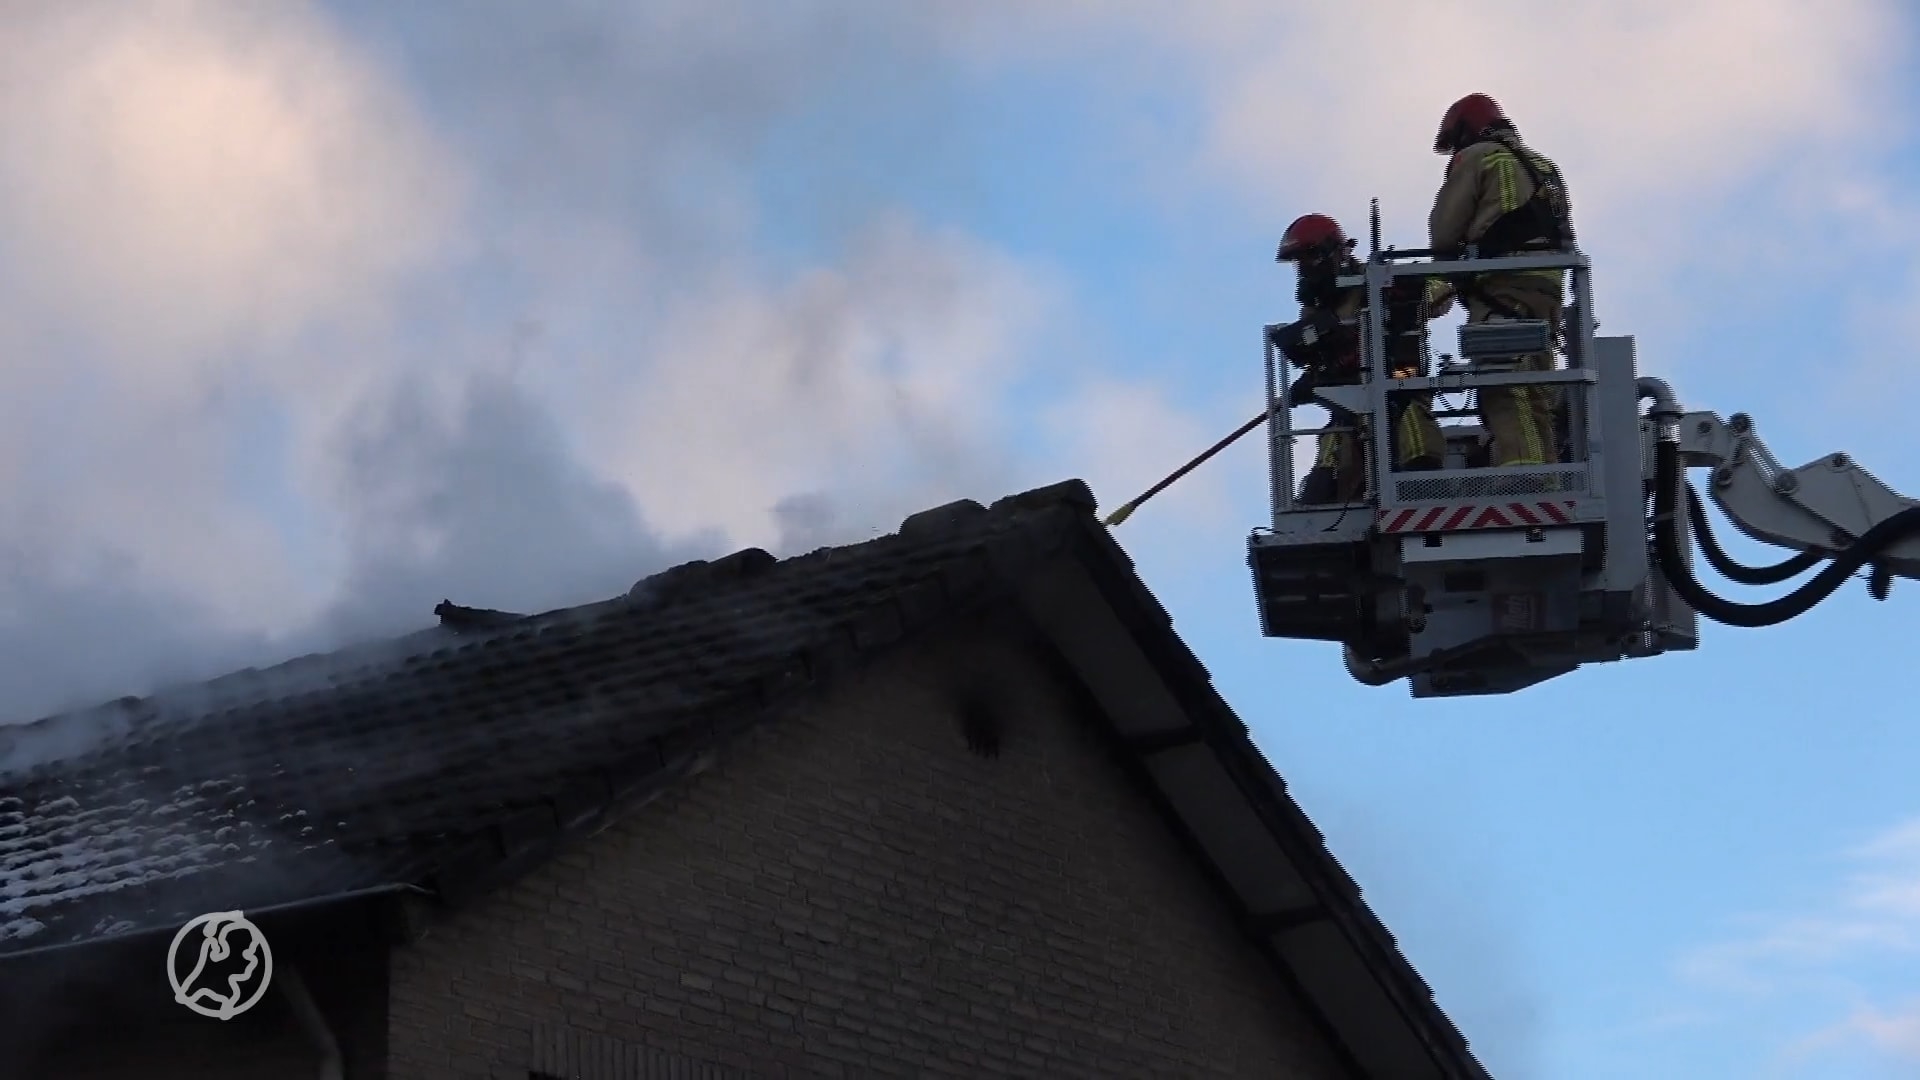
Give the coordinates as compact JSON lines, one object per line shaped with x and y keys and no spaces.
{"x":1484,"y":183}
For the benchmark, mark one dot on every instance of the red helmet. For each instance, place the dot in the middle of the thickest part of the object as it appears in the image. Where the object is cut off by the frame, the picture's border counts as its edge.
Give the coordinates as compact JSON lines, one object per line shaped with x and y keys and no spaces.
{"x":1311,"y":233}
{"x":1465,"y":119}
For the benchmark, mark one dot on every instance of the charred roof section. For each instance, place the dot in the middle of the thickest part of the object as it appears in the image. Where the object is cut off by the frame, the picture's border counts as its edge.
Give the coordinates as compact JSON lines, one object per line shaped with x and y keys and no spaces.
{"x":455,"y":759}
{"x":466,"y":620}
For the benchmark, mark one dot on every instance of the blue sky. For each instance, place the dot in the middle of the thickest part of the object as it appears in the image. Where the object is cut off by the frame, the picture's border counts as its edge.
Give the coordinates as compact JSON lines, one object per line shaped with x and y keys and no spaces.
{"x":375,"y":306}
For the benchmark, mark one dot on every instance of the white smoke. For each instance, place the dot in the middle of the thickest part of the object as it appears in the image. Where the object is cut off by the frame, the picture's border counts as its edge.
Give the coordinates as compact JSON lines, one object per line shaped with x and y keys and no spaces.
{"x":309,"y":333}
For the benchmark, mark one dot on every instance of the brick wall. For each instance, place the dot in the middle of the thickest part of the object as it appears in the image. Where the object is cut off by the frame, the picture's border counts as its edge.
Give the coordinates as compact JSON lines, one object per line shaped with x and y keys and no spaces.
{"x":854,"y":893}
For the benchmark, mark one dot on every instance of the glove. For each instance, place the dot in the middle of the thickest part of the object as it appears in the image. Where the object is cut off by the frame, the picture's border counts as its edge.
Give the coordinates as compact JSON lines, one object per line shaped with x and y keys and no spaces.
{"x":1294,"y":341}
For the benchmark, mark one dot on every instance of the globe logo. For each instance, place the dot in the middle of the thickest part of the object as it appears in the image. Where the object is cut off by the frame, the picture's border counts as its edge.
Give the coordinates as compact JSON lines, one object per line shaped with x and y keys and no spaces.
{"x":223,"y":970}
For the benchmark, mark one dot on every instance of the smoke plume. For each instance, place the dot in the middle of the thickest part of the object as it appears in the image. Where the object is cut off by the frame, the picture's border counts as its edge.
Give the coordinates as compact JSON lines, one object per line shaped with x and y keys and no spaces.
{"x":318,"y":314}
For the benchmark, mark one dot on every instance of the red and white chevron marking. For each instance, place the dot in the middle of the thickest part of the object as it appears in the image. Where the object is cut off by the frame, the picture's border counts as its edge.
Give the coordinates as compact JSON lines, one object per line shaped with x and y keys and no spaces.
{"x":1457,"y":517}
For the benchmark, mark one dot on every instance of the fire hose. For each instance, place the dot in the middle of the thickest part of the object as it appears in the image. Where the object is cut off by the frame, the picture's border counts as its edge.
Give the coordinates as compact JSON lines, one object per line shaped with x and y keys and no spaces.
{"x":1126,"y":510}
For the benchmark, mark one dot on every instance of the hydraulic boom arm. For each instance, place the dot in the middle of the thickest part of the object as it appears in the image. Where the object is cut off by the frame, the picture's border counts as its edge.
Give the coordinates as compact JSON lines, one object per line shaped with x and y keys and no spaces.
{"x":1821,"y":508}
{"x":1828,"y":510}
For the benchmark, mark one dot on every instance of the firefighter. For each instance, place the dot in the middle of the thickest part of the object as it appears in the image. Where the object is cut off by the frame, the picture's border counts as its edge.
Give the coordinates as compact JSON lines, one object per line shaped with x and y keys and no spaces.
{"x":1321,"y":252}
{"x":1504,"y":198}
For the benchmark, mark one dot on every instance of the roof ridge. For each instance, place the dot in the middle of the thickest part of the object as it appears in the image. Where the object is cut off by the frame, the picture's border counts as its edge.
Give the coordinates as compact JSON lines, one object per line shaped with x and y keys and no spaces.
{"x":27,"y":746}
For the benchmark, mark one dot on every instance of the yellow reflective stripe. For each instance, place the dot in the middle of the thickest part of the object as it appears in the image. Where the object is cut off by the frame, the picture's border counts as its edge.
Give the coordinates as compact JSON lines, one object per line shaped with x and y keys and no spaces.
{"x":1413,"y":441}
{"x":1506,"y":178}
{"x":1329,"y":454}
{"x":1533,"y":448}
{"x":1506,"y":170}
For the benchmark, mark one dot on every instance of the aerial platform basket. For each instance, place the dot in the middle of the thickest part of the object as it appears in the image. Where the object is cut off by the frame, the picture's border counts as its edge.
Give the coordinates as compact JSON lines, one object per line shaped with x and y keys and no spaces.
{"x":1472,"y":578}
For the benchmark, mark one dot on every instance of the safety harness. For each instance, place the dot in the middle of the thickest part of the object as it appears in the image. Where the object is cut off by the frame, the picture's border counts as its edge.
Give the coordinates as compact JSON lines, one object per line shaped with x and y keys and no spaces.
{"x":1540,"y":223}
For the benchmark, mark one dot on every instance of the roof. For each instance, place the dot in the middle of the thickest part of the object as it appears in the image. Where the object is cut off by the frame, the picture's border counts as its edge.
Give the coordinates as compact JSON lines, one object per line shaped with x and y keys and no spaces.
{"x":413,"y":762}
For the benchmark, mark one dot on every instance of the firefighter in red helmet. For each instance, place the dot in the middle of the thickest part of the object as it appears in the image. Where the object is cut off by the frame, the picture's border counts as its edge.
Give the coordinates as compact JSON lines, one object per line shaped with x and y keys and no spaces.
{"x":1325,"y":341}
{"x":1504,"y":198}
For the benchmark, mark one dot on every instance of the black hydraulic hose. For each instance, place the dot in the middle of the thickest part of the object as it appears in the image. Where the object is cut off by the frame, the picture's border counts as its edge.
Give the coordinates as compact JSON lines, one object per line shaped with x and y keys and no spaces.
{"x":1737,"y":571}
{"x":1673,"y":561}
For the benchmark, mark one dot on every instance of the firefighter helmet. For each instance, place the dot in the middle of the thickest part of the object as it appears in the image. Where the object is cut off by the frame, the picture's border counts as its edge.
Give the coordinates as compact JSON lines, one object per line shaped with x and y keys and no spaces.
{"x":1311,"y":234}
{"x":1465,"y":120}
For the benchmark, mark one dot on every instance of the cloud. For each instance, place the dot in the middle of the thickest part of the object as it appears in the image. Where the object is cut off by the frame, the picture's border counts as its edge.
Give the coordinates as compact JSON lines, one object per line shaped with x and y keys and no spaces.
{"x":235,"y":237}
{"x":474,"y":495}
{"x":222,"y":178}
{"x":189,"y":191}
{"x":1698,"y":139}
{"x":1129,"y":434}
{"x":881,"y":380}
{"x":326,"y":312}
{"x":233,"y":233}
{"x":1644,"y":102}
{"x":1893,"y":1034}
{"x":77,"y":636}
{"x":1848,"y":957}
{"x":1876,"y":910}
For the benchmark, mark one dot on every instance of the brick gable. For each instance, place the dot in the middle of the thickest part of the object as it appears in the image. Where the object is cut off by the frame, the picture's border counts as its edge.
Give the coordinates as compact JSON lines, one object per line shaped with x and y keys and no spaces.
{"x":852,"y":892}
